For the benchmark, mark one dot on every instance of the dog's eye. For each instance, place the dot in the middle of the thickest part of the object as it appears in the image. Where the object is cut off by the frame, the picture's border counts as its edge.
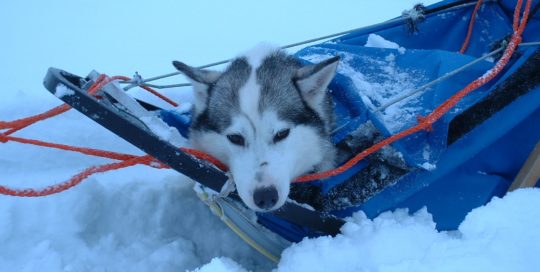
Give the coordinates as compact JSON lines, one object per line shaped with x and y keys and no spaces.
{"x":282,"y":134}
{"x":236,"y":139}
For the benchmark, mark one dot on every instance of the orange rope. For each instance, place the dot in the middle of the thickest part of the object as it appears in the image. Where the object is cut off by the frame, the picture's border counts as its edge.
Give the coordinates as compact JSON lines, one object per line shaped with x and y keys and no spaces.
{"x":471,"y":25}
{"x":19,"y":124}
{"x":126,"y":160}
{"x":75,"y":180}
{"x":424,"y":123}
{"x":206,"y":157}
{"x":82,"y":150}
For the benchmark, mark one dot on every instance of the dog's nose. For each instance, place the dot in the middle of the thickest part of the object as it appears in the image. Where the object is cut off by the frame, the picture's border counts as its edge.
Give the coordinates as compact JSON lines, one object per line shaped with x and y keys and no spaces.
{"x":266,"y":197}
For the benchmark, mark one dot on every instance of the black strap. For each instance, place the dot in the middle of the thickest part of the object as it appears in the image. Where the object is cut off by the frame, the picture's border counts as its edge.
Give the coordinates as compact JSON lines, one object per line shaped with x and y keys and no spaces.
{"x":524,"y":79}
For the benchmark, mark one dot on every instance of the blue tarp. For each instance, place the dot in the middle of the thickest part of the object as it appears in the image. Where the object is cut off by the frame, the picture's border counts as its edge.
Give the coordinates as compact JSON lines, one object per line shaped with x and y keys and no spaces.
{"x":448,"y":179}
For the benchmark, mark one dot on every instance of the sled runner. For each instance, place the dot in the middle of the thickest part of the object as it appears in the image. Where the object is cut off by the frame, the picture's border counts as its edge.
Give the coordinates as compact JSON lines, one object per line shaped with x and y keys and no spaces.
{"x":408,"y":72}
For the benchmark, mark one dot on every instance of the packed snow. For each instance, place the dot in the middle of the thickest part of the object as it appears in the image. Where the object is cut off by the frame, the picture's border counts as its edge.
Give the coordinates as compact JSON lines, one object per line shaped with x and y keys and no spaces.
{"x":378,"y":41}
{"x":501,"y":236}
{"x":145,"y":219}
{"x":164,"y":131}
{"x":62,"y":90}
{"x":221,"y":264}
{"x":134,"y":219}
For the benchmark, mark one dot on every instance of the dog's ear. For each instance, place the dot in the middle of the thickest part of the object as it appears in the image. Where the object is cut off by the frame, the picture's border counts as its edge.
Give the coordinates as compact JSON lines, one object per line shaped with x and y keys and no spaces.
{"x":313,"y":80}
{"x":200,"y":79}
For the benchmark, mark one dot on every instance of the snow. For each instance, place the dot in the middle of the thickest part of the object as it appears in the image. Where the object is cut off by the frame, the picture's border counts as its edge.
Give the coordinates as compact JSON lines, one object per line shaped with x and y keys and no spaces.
{"x":61,"y":91}
{"x":164,"y":131}
{"x":145,"y":219}
{"x":501,"y":236}
{"x":134,"y":219}
{"x":428,"y":166}
{"x":221,"y":265}
{"x":184,"y":108}
{"x":384,"y":83}
{"x":377,"y":41}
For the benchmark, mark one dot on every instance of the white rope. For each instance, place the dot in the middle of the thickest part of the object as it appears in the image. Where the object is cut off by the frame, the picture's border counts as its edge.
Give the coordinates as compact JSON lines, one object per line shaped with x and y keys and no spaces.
{"x":448,"y":75}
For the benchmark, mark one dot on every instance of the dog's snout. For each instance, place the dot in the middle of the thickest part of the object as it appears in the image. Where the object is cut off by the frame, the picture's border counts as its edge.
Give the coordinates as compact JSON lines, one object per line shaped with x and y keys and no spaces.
{"x":266,"y":197}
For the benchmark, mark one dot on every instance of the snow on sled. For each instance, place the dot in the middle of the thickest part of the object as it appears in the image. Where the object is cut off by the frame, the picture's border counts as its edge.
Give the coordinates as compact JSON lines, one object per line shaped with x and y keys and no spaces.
{"x":391,"y":77}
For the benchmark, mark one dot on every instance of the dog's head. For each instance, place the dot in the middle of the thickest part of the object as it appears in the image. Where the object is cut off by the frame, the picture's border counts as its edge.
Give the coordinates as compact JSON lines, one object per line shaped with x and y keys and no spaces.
{"x":268,"y":118}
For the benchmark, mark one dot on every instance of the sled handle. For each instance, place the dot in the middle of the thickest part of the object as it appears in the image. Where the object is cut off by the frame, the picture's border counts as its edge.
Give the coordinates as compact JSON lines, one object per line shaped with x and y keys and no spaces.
{"x":530,"y":172}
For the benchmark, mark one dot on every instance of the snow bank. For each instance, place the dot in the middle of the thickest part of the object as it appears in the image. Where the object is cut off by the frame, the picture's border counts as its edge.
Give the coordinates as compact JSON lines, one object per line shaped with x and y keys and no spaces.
{"x":134,"y":219}
{"x":501,"y":236}
{"x":136,"y":227}
{"x":152,"y":224}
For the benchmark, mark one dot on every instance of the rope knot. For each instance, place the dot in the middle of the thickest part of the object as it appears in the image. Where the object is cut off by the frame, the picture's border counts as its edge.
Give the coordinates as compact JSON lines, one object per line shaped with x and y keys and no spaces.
{"x":414,"y":16}
{"x":137,"y":79}
{"x":426,"y":122}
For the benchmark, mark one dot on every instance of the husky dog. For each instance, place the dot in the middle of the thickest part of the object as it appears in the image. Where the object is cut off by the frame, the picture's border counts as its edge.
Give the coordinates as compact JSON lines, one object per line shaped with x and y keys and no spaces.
{"x":267,"y":117}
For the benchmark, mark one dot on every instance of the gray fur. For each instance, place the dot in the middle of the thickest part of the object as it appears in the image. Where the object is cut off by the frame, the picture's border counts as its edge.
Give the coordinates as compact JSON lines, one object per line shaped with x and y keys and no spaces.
{"x":278,"y":92}
{"x":222,"y":101}
{"x":291,"y":97}
{"x":276,"y":75}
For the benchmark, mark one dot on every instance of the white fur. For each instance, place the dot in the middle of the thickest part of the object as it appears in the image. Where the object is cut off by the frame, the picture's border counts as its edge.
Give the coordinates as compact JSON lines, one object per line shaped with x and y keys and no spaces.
{"x":313,"y":88}
{"x":256,"y":55}
{"x":285,"y":160}
{"x":249,"y":95}
{"x":261,"y":162}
